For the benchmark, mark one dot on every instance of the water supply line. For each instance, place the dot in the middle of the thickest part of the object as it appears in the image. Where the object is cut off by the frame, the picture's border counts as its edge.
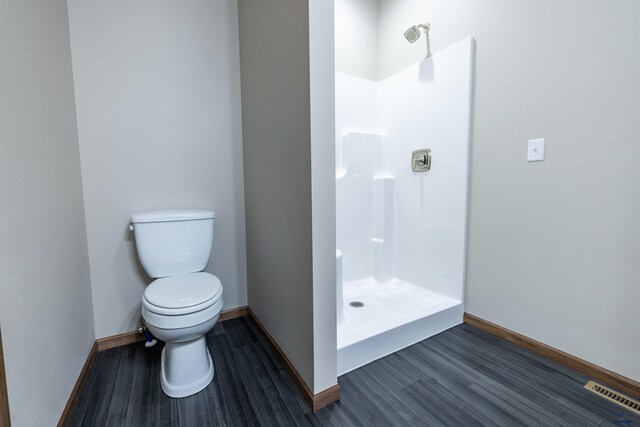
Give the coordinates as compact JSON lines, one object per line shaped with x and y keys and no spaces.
{"x":142,"y":329}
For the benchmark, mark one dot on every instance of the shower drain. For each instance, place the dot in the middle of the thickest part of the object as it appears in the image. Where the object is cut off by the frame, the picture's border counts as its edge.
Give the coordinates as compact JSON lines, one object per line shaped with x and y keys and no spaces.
{"x":356,"y":304}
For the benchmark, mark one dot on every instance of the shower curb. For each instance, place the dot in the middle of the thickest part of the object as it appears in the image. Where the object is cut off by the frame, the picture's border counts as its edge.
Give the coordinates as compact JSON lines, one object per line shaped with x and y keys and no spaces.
{"x":360,"y":353}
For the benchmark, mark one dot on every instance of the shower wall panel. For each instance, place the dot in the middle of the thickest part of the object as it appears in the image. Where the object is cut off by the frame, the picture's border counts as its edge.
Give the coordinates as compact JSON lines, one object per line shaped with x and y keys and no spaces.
{"x":364,"y":202}
{"x":391,"y":221}
{"x":428,"y":106}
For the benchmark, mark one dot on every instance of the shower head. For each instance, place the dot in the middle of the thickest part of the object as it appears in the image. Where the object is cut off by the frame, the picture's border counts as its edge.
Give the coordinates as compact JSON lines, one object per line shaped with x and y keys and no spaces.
{"x":413,"y":33}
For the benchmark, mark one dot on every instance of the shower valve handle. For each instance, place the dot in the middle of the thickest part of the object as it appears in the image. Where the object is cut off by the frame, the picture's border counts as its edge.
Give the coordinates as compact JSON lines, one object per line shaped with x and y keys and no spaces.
{"x":421,"y":160}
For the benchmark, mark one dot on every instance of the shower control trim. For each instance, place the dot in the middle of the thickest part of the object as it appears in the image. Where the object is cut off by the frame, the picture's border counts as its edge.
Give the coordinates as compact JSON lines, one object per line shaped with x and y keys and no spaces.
{"x":421,"y":160}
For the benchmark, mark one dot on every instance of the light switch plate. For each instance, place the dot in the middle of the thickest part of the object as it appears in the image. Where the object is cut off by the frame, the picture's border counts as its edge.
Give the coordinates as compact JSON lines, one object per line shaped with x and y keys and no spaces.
{"x":535,"y":151}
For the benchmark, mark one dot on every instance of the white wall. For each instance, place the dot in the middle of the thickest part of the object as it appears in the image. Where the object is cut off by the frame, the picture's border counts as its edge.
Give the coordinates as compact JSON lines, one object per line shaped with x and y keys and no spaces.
{"x":554,"y":247}
{"x":356,"y":37}
{"x":157,"y":92}
{"x":322,"y":124}
{"x":45,"y":294}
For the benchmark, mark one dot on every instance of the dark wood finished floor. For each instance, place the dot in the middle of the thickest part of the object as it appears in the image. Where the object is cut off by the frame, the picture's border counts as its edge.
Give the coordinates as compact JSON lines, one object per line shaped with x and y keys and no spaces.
{"x":460,"y":377}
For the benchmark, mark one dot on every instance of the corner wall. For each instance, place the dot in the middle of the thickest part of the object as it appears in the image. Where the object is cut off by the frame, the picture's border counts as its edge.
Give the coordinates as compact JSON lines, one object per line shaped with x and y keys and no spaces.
{"x":553,"y":246}
{"x":274,"y":58}
{"x":45,"y":293}
{"x":158,"y":95}
{"x":323,"y":191}
{"x":287,"y":68}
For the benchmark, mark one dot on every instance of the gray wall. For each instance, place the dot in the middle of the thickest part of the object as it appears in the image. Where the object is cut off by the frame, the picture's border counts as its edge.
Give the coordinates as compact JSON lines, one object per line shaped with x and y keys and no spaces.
{"x":158,"y":97}
{"x":554,"y":246}
{"x":45,"y":294}
{"x":274,"y":58}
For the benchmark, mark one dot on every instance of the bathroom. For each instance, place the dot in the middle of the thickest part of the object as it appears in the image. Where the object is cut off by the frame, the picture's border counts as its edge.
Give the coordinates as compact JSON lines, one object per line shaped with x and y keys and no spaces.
{"x":112,"y":108}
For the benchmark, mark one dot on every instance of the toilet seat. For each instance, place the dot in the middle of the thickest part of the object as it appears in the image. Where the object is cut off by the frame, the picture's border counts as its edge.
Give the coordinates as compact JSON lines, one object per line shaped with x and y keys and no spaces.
{"x":181,"y":321}
{"x":183,"y":294}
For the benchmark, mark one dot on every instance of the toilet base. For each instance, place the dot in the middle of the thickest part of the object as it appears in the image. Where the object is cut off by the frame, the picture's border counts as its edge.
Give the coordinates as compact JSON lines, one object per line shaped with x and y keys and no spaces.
{"x":187,"y":367}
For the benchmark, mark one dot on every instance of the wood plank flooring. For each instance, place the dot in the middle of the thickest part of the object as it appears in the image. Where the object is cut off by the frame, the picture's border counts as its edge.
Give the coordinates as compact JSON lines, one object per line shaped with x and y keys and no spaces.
{"x":460,"y":377}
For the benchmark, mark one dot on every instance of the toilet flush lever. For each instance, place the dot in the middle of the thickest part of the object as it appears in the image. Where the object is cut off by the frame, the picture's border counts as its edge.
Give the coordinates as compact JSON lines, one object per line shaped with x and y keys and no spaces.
{"x":421,"y":160}
{"x":130,"y":227}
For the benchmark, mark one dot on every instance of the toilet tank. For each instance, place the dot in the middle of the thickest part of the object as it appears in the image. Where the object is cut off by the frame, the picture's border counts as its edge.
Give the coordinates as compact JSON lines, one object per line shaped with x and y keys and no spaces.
{"x":173,"y":242}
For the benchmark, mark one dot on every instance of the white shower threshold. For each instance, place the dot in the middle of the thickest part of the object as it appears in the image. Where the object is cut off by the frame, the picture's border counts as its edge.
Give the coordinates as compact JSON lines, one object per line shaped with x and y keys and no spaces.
{"x":396,"y":314}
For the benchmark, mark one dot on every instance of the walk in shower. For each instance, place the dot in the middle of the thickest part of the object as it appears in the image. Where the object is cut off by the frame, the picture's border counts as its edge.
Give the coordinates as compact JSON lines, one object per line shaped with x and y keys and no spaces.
{"x":401,"y":226}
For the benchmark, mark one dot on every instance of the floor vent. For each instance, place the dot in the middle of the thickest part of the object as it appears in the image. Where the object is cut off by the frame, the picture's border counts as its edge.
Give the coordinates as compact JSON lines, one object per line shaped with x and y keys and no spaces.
{"x":607,"y":393}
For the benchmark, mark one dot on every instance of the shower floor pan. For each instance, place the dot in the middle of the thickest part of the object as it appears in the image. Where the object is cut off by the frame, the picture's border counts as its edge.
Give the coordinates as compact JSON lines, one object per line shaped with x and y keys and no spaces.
{"x":394,"y":315}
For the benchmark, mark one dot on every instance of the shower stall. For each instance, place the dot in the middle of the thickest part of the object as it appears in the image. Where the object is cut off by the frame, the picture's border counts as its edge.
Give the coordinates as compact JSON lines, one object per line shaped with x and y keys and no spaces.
{"x":402,"y":149}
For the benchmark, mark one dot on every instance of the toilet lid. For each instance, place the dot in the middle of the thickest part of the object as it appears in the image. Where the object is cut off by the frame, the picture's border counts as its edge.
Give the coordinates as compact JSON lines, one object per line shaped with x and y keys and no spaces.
{"x":185,"y":290}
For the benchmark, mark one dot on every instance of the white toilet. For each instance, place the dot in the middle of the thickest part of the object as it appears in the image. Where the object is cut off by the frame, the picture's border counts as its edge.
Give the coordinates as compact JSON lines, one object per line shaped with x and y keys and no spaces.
{"x":184,"y":303}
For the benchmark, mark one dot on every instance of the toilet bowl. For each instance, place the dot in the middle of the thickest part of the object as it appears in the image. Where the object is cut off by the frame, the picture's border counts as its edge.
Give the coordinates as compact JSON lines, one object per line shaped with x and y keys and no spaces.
{"x":184,"y":303}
